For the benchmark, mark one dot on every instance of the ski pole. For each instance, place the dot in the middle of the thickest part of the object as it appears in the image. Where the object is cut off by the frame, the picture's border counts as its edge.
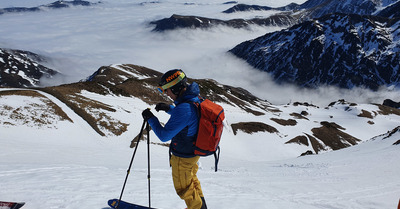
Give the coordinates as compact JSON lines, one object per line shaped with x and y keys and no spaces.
{"x":130,"y":164}
{"x":148,"y":160}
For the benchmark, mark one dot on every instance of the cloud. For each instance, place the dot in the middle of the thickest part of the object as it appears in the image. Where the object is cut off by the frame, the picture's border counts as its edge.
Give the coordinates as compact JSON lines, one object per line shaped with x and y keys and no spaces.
{"x":23,"y":3}
{"x":81,"y":39}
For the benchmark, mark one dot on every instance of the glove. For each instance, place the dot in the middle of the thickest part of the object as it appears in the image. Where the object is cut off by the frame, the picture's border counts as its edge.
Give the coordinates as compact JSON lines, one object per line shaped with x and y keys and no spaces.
{"x":147,"y":114}
{"x":162,"y":106}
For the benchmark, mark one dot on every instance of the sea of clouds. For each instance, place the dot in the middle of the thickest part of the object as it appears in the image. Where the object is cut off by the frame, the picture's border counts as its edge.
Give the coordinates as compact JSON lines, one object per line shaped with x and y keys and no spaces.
{"x":79,"y":40}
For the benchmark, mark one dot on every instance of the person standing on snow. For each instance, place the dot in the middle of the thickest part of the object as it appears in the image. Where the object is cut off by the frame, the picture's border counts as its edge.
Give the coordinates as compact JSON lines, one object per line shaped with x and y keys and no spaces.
{"x":182,"y":129}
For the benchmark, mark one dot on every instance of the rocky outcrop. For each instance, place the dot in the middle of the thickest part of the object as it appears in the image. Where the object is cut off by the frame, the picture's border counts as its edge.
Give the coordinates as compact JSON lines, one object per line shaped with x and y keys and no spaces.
{"x":22,"y":68}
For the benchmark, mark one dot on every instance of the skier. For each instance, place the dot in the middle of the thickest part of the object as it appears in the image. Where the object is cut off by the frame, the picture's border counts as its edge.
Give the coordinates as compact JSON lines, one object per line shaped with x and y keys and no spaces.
{"x":181,"y":128}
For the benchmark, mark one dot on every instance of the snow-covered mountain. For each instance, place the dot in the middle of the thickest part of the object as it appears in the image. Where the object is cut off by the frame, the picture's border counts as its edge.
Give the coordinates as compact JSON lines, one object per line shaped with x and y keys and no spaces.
{"x":312,"y":128}
{"x":88,"y":128}
{"x":341,"y":47}
{"x":22,"y":68}
{"x":288,"y":15}
{"x":318,"y":8}
{"x":181,"y":21}
{"x":54,"y":5}
{"x":338,"y":49}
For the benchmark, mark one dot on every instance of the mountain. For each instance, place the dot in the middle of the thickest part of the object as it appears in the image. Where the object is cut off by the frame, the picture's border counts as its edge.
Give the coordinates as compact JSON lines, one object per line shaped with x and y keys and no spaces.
{"x":290,"y":14}
{"x":20,"y":68}
{"x":54,"y":5}
{"x":181,"y":21}
{"x":139,"y":82}
{"x":391,"y":11}
{"x":318,"y":8}
{"x":304,"y":127}
{"x":337,"y":49}
{"x":247,"y":8}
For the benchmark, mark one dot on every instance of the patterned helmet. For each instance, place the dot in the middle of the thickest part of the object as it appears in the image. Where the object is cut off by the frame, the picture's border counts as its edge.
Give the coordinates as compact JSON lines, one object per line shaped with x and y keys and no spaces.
{"x":174,"y":79}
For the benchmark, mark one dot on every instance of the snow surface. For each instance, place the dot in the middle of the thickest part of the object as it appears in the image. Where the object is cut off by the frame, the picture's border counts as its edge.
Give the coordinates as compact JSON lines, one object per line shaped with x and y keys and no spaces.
{"x":70,"y":166}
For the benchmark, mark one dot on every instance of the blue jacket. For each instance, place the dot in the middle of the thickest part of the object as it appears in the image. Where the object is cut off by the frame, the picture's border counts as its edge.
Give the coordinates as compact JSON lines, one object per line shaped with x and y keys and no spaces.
{"x":183,"y":124}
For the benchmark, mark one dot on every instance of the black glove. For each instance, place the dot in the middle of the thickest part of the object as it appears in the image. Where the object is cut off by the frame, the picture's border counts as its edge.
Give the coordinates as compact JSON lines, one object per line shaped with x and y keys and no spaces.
{"x":162,"y":106}
{"x":147,"y":114}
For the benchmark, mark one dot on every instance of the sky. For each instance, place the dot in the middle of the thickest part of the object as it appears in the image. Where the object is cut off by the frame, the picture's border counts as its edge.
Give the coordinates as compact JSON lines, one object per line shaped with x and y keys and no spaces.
{"x":80,"y":40}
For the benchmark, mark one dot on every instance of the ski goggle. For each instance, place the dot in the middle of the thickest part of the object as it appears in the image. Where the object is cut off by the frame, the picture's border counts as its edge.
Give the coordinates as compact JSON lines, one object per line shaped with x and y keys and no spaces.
{"x":166,"y":86}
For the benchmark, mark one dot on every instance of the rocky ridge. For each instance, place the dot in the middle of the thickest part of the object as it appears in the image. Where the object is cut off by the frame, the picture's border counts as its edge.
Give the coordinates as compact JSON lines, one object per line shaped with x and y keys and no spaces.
{"x":337,"y":49}
{"x":20,"y":68}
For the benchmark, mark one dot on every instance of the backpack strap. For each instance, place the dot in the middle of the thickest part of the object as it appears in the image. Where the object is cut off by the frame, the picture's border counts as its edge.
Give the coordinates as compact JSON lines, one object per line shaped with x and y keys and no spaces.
{"x":170,"y":155}
{"x":216,"y":156}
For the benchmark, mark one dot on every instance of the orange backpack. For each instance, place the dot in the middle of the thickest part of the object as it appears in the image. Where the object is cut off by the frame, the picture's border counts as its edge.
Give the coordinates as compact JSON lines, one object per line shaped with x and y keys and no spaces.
{"x":211,"y":116}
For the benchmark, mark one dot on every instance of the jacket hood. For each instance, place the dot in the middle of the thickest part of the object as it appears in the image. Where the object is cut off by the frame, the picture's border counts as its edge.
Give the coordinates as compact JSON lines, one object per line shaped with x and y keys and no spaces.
{"x":192,"y":91}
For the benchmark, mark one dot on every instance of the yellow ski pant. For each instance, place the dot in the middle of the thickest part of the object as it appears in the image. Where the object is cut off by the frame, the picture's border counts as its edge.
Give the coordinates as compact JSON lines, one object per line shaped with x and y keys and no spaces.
{"x":186,"y":183}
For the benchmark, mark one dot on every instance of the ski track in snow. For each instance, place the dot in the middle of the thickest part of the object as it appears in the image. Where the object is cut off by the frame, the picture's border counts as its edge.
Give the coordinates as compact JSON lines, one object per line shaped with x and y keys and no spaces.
{"x":71,"y":114}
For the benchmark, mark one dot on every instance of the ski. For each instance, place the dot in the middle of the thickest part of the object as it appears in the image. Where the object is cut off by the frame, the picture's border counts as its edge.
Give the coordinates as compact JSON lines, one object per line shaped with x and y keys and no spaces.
{"x":398,"y":207}
{"x":125,"y":205}
{"x":11,"y":205}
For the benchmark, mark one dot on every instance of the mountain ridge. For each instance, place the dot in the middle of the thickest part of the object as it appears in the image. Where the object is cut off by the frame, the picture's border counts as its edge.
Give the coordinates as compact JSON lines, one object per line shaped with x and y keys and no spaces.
{"x":310,"y":128}
{"x":184,"y":21}
{"x":55,"y":5}
{"x":289,"y":15}
{"x":19,"y":68}
{"x":338,"y":49}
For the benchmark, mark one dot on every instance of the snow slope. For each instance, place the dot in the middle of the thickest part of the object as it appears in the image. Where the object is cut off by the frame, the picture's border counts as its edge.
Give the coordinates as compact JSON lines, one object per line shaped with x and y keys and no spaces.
{"x":70,"y":166}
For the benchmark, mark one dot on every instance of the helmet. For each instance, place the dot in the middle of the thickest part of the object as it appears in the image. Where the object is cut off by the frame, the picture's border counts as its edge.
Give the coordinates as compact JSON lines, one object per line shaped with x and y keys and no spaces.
{"x":174,"y":79}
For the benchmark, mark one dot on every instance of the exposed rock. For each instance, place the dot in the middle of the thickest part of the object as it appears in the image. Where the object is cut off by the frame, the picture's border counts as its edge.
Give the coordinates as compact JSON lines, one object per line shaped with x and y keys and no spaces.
{"x":22,"y":68}
{"x":253,"y":127}
{"x":366,"y":114}
{"x":333,"y":136}
{"x":289,"y":122}
{"x":299,"y":140}
{"x":308,"y":152}
{"x":391,"y":103}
